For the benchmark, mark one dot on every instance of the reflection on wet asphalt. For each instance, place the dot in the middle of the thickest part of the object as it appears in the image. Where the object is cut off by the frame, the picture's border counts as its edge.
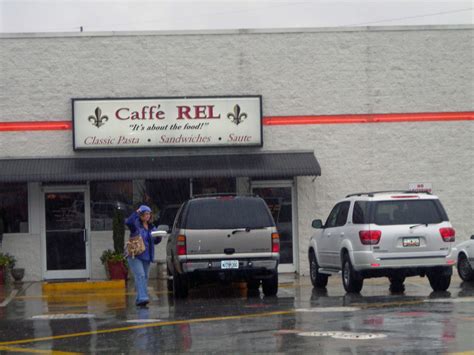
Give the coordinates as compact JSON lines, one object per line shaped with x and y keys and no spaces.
{"x":225,"y":319}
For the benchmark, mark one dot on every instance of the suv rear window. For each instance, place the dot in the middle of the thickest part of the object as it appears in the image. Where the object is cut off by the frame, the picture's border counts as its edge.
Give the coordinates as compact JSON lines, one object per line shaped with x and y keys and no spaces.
{"x":228,"y":213}
{"x":399,"y":212}
{"x":408,"y":212}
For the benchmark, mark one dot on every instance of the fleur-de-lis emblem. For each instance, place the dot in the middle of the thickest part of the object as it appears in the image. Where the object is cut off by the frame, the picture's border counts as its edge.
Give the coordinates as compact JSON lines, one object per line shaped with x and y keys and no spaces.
{"x":98,"y":120}
{"x":237,"y":117}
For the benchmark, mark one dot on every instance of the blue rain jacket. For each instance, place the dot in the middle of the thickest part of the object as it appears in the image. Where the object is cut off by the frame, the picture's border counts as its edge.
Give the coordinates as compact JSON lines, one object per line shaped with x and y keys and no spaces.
{"x":136,"y":229}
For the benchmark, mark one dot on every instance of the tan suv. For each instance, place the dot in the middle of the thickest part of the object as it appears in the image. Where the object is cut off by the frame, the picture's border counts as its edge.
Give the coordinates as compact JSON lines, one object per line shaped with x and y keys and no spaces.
{"x":226,"y":238}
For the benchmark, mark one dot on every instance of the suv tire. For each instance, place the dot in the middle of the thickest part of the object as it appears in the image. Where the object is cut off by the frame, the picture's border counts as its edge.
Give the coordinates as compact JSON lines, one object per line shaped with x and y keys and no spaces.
{"x":351,"y":279}
{"x":169,"y":281}
{"x":270,"y":285}
{"x":180,"y":286}
{"x":439,"y":281}
{"x":253,"y":285}
{"x":396,"y":284}
{"x":317,"y":279}
{"x":464,"y":268}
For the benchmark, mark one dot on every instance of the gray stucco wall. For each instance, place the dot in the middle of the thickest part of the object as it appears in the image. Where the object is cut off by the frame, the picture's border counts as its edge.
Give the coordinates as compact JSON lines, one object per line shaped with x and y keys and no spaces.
{"x":311,"y":72}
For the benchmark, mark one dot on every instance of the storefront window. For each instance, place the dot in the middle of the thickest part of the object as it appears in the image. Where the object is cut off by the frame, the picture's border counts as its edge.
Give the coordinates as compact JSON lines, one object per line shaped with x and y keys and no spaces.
{"x":165,"y":197}
{"x":206,"y":186}
{"x":106,"y":197}
{"x":13,"y":208}
{"x":279,"y":202}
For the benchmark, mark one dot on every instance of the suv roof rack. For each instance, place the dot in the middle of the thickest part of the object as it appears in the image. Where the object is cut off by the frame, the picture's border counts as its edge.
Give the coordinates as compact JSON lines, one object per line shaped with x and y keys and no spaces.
{"x":371,"y":194}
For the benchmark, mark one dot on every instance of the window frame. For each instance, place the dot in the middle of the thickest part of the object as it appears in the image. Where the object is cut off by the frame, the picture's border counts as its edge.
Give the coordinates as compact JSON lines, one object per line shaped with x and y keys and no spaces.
{"x":366,"y":219}
{"x":334,"y":210}
{"x":343,"y":204}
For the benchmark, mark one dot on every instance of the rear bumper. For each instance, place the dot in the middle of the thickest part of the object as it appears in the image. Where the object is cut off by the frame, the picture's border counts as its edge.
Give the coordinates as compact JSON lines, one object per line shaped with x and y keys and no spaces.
{"x":367,"y":260}
{"x":407,"y":271}
{"x":248,"y":269}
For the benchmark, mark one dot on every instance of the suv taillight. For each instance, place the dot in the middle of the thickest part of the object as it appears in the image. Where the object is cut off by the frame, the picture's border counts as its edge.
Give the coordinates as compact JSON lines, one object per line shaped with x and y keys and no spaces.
{"x":181,"y":245}
{"x":370,"y":237}
{"x":448,"y":234}
{"x":275,"y":243}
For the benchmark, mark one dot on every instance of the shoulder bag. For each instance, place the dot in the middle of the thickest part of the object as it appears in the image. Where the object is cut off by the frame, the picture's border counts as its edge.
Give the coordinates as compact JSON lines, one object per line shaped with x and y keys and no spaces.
{"x":135,"y":246}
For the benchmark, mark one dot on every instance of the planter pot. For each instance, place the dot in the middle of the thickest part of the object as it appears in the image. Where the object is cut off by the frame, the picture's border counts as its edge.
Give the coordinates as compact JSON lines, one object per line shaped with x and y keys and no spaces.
{"x":18,"y":274}
{"x":117,"y":270}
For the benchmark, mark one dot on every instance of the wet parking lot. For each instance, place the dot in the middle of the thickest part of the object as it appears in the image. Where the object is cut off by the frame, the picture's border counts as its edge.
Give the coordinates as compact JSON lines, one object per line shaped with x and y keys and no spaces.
{"x":226,"y":319}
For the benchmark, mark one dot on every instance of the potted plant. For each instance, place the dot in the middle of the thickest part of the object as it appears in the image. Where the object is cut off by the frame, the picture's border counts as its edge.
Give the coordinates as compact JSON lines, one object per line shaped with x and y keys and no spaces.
{"x":115,"y":264}
{"x":7,"y":262}
{"x":114,"y":260}
{"x":18,"y":274}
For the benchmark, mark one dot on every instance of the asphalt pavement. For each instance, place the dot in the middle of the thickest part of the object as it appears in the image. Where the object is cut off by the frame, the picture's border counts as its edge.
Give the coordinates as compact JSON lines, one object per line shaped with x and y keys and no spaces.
{"x":226,"y":319}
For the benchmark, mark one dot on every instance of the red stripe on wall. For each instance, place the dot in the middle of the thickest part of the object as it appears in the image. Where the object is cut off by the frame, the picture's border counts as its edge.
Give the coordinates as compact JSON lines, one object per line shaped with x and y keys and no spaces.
{"x":36,"y":126}
{"x":368,"y":118}
{"x":279,"y":120}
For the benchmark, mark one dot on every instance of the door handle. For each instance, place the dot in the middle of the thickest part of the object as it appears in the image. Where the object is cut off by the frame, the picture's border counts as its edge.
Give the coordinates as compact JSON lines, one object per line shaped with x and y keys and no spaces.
{"x":342,"y":234}
{"x":85,"y":235}
{"x":329,"y":234}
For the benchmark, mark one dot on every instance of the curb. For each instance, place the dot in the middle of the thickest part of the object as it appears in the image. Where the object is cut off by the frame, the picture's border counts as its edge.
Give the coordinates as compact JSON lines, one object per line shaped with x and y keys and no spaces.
{"x":82,"y":286}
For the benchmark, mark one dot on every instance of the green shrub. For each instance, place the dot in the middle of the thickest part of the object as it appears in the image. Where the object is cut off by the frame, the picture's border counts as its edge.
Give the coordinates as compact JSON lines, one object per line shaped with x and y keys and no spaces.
{"x":118,"y":231}
{"x":7,"y":260}
{"x":110,"y":255}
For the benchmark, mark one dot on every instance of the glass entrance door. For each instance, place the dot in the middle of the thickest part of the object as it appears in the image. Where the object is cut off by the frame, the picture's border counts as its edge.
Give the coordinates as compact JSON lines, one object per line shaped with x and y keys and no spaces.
{"x":279,"y":198}
{"x":65,"y":233}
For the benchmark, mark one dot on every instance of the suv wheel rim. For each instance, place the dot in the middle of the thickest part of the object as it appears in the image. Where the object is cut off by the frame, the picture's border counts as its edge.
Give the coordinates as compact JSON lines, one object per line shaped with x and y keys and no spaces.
{"x":346,"y":273}
{"x":313,"y":269}
{"x":464,"y":267}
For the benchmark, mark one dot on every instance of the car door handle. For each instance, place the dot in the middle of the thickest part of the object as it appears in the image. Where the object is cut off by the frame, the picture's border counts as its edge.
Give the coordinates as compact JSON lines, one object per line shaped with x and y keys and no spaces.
{"x":328,"y":235}
{"x":342,"y":234}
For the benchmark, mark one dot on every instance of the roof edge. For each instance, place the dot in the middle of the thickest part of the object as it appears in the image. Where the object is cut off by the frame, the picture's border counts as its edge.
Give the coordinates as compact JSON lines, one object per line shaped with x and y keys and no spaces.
{"x":236,"y":31}
{"x":127,"y":154}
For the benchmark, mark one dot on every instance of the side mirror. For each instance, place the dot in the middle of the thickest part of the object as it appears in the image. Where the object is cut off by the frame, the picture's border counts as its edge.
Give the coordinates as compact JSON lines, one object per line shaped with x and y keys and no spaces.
{"x":472,"y":237}
{"x":317,"y":224}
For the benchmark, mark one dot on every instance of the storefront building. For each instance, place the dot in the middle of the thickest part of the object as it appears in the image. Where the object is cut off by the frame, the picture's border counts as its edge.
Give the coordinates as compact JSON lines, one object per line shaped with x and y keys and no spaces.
{"x":92,"y":123}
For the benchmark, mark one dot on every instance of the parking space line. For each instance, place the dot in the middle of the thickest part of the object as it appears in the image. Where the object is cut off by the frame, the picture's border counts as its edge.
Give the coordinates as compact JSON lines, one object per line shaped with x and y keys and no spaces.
{"x":87,"y":295}
{"x":34,"y":351}
{"x":9,"y":298}
{"x":382,"y":305}
{"x":150,"y":325}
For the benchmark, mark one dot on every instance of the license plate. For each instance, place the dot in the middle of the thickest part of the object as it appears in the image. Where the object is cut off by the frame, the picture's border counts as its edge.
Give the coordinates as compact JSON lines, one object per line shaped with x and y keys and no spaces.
{"x":411,"y":242}
{"x":229,"y":264}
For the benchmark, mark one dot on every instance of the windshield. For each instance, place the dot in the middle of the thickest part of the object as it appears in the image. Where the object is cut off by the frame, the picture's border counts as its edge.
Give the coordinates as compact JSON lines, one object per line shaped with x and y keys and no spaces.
{"x":228,"y":213}
{"x":408,"y":212}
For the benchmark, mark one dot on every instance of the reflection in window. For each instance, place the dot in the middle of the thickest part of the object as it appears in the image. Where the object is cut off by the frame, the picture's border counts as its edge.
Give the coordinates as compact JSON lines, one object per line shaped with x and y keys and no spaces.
{"x":165,"y":197}
{"x":106,"y":197}
{"x":13,"y":208}
{"x":278,"y":200}
{"x":206,"y":186}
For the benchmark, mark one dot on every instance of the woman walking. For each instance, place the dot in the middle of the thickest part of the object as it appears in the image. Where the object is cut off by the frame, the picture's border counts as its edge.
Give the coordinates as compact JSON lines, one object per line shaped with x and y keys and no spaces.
{"x":140,"y":225}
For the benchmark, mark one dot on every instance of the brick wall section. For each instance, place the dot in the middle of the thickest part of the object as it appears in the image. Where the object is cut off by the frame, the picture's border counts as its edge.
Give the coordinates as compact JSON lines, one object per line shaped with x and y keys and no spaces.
{"x":384,"y":70}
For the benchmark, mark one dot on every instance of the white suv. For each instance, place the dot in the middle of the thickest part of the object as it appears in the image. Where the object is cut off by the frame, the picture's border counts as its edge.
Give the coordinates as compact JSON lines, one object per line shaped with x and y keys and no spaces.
{"x":466,"y":259}
{"x":392,"y":234}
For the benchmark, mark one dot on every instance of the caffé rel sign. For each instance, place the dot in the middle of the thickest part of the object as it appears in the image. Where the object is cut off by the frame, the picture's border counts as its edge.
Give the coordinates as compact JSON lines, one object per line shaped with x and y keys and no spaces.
{"x":167,"y":122}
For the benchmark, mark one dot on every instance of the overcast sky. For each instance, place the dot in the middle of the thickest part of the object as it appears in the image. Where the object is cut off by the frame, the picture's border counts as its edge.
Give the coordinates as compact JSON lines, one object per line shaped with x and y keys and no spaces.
{"x":112,"y":15}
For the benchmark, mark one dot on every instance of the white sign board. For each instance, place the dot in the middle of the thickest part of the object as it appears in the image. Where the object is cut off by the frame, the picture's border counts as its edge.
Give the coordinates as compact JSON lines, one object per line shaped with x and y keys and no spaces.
{"x":167,"y":122}
{"x":420,"y":187}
